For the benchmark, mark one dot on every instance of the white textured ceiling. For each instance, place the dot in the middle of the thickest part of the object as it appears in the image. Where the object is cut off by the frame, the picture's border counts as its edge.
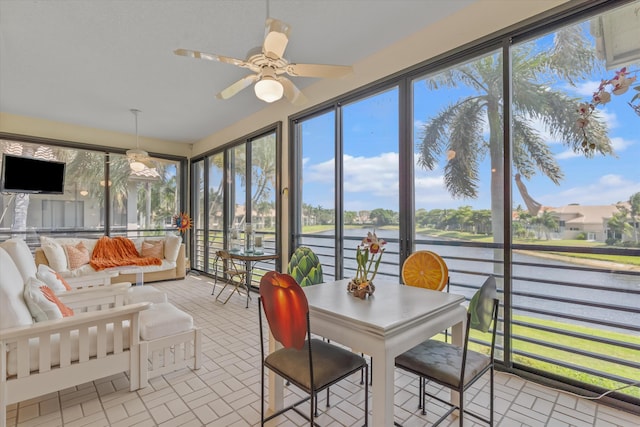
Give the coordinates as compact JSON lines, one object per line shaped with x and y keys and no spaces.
{"x":88,"y":62}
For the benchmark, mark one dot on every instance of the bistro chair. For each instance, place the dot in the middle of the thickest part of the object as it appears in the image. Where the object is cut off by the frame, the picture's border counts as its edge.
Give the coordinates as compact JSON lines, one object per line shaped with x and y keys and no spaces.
{"x":452,"y":366}
{"x":235,"y":274}
{"x":305,"y":267}
{"x":426,"y":269}
{"x":310,"y":364}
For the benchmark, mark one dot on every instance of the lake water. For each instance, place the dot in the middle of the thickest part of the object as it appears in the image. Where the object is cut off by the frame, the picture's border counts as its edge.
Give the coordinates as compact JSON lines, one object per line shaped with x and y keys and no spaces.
{"x":470,"y":266}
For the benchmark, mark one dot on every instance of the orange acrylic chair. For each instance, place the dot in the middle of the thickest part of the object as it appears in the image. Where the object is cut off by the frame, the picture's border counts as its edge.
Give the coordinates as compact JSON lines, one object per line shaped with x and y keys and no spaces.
{"x":310,"y":364}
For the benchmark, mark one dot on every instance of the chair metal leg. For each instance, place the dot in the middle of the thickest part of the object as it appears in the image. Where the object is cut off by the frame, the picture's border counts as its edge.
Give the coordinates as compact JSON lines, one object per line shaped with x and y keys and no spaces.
{"x":461,"y":406}
{"x":366,"y":396}
{"x":328,"y":397}
{"x":362,"y":375}
{"x":423,"y":400}
{"x":491,"y":397}
{"x":235,"y":289}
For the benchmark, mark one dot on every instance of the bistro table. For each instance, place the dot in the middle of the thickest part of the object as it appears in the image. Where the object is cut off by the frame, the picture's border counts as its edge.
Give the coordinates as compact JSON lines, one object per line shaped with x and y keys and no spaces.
{"x":250,"y":259}
{"x":391,"y":321}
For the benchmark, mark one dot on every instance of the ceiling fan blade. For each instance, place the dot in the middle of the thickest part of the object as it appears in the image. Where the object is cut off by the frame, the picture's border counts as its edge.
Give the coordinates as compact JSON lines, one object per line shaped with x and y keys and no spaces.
{"x":318,"y":70}
{"x":291,"y":92}
{"x":237,"y":86}
{"x":276,"y":38}
{"x":210,"y":56}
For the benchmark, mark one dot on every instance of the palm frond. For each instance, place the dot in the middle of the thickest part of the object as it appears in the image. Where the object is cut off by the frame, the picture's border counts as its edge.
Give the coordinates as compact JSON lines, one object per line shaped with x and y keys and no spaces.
{"x":573,"y":55}
{"x":461,"y":172}
{"x":529,"y":145}
{"x":434,"y":137}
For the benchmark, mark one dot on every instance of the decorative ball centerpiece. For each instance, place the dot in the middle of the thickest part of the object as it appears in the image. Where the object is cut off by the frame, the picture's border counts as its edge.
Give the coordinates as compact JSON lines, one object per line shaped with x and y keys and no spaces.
{"x":368,"y":256}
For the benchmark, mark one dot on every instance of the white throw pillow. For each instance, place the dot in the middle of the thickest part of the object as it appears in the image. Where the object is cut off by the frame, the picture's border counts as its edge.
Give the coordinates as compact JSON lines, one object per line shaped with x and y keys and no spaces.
{"x":21,"y":254}
{"x":14,"y":310}
{"x":172,"y":247}
{"x":55,"y":253}
{"x":39,"y":305}
{"x":53,"y":280}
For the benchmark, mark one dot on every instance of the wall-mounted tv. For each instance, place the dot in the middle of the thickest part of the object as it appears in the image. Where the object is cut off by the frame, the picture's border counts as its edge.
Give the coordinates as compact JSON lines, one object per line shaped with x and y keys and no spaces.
{"x":29,"y":175}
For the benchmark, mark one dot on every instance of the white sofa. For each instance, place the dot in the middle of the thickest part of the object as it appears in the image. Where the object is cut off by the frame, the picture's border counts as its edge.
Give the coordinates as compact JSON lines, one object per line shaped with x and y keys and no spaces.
{"x":103,"y":337}
{"x":52,"y":252}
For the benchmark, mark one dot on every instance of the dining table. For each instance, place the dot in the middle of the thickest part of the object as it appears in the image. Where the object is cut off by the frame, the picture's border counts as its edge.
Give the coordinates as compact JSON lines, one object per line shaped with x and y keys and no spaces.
{"x":383,"y":325}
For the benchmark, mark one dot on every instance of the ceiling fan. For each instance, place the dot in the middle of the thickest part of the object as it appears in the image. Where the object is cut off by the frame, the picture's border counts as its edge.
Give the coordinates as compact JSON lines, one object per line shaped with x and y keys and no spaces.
{"x":138,"y":159}
{"x":269,"y":67}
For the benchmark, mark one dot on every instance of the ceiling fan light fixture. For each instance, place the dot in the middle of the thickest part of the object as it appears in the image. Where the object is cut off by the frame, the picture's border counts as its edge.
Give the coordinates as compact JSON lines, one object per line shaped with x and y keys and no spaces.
{"x":137,"y":166}
{"x":268,"y":89}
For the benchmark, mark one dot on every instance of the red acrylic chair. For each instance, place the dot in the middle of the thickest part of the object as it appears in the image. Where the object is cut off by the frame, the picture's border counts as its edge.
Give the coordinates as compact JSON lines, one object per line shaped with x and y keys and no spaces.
{"x":310,"y":364}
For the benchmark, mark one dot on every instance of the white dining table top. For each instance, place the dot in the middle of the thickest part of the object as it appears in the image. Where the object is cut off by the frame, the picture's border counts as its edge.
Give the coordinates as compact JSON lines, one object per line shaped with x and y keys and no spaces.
{"x":390,"y":310}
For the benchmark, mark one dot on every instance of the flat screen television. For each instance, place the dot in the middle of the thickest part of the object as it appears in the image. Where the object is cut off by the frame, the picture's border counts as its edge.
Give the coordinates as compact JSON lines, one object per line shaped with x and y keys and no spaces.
{"x":29,"y":175}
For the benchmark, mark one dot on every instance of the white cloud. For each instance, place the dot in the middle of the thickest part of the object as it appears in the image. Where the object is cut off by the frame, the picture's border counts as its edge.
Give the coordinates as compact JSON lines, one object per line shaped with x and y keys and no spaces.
{"x":567,"y":154}
{"x":618,"y":144}
{"x":375,"y":175}
{"x":585,"y":89}
{"x":616,"y":187}
{"x":320,"y":172}
{"x":608,"y":117}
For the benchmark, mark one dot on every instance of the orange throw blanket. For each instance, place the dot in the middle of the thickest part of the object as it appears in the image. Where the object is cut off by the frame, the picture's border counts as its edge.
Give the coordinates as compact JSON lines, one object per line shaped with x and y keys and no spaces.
{"x":118,"y":251}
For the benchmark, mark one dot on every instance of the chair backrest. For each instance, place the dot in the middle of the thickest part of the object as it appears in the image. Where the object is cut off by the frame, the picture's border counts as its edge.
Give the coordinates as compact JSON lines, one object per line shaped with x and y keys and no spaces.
{"x":425,"y":269}
{"x":481,"y":314}
{"x":481,"y":308}
{"x":222,"y":254}
{"x":286,"y":309}
{"x":232,"y":267}
{"x":305,"y":267}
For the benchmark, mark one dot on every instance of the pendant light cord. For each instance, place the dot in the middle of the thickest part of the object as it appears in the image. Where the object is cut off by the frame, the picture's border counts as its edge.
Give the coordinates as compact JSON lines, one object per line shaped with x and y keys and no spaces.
{"x":135,"y":113}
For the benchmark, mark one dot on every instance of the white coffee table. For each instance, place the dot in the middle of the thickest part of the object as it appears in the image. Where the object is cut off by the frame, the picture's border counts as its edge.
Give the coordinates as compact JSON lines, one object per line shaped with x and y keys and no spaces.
{"x":130,"y":269}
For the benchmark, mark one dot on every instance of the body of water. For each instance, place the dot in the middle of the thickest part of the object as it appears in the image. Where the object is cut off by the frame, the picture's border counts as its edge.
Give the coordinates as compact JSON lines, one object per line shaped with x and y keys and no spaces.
{"x":547,"y":279}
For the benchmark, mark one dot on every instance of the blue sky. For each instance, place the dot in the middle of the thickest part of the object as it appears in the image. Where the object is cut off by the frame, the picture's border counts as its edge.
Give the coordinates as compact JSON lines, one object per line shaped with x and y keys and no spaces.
{"x":371,"y":157}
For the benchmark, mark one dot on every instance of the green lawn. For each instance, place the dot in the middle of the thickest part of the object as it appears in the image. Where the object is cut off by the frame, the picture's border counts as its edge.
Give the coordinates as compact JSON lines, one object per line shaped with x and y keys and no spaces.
{"x":573,"y":358}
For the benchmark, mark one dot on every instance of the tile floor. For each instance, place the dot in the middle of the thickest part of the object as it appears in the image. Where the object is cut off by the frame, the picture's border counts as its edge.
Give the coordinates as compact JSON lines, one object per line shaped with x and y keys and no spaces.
{"x":226,"y":390}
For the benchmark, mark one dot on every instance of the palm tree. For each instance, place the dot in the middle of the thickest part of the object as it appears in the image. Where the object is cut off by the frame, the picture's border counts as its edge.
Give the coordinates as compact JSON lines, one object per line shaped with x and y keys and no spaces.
{"x":619,"y":225}
{"x":634,"y":201}
{"x":458,"y":129}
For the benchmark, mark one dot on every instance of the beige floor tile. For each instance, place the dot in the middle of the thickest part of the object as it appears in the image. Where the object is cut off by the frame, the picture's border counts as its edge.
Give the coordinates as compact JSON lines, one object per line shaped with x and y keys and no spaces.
{"x":226,"y":390}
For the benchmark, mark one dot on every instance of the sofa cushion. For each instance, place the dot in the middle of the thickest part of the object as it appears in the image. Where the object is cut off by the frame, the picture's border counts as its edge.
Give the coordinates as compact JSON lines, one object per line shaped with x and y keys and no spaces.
{"x":52,"y":279}
{"x":153,"y":248}
{"x":77,"y":255}
{"x":55,"y":253}
{"x":48,"y":294}
{"x":145,"y":293}
{"x":14,"y":309}
{"x":163,"y":319}
{"x":22,"y":257}
{"x":172,"y":248}
{"x":41,"y":307}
